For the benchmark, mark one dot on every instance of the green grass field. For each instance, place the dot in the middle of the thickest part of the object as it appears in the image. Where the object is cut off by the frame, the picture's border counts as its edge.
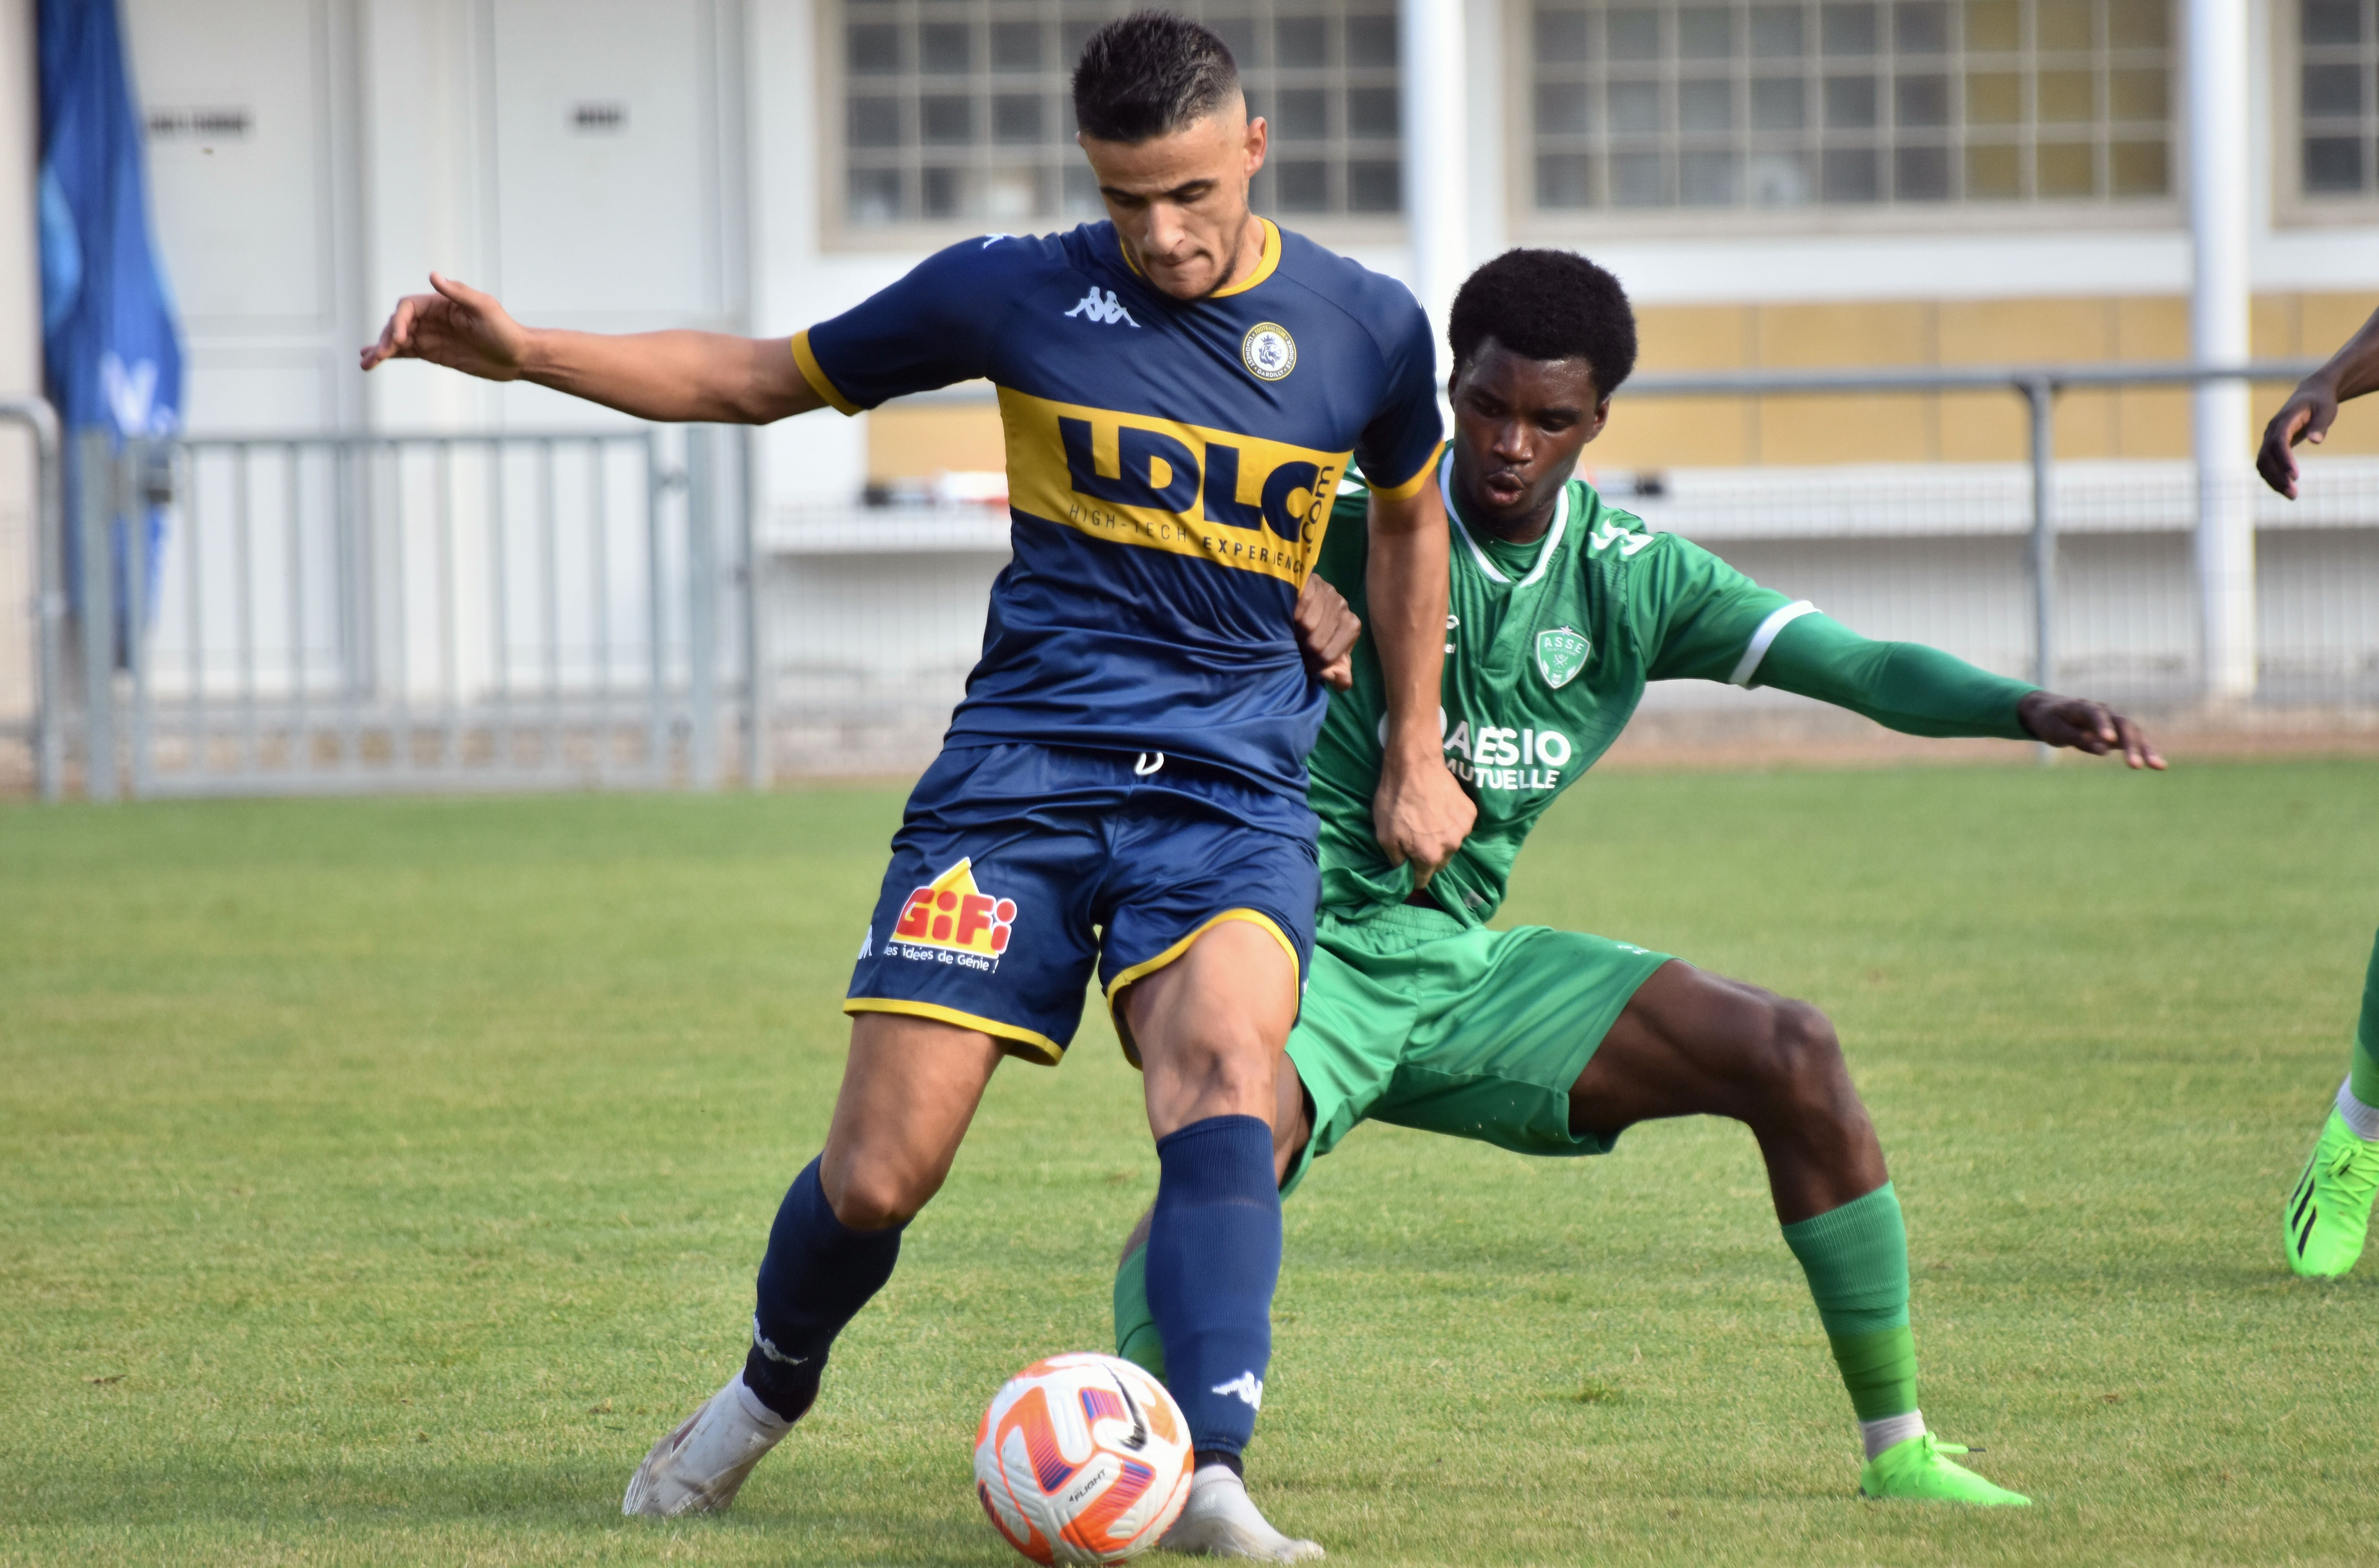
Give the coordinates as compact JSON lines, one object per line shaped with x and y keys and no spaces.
{"x":382,"y":1176}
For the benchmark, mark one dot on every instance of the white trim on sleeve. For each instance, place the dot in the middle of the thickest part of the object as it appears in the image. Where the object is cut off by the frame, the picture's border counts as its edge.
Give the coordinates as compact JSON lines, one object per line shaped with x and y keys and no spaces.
{"x":1777,"y":621}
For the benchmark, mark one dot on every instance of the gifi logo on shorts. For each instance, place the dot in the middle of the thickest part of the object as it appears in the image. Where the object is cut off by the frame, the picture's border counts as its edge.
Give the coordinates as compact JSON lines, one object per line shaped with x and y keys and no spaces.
{"x":1236,"y":500}
{"x":951,"y":913}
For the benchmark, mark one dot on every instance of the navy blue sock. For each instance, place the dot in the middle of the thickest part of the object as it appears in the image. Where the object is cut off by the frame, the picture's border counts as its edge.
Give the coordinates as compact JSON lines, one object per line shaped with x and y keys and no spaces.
{"x":1213,"y":1258}
{"x":817,"y":1275}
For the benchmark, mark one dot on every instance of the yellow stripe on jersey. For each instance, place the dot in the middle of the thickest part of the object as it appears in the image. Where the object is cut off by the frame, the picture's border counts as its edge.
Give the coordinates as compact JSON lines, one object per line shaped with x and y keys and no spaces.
{"x":1236,"y":500}
{"x":815,"y":373}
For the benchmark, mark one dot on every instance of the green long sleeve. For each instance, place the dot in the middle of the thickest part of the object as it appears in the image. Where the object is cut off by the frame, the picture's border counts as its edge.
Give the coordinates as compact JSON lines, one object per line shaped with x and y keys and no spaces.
{"x":1903,"y":686}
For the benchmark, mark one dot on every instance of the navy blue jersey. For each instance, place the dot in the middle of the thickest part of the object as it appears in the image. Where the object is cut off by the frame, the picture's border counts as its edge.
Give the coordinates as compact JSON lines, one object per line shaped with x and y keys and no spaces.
{"x":1170,"y":467}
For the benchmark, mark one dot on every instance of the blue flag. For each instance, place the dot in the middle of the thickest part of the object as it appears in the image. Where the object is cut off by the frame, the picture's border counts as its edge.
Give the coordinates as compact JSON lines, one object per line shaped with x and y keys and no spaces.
{"x":111,"y":352}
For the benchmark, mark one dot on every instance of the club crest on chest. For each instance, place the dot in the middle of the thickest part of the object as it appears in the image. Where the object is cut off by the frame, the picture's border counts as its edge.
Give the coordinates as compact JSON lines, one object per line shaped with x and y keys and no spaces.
{"x":1561,"y":653}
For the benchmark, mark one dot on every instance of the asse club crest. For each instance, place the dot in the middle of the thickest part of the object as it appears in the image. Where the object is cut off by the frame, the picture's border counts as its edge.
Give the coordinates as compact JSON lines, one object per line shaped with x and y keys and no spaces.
{"x":1561,"y":653}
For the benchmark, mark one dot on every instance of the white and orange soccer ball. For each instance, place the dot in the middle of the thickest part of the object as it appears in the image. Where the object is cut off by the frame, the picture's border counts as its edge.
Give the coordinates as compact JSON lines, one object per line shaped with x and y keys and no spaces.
{"x":1082,"y":1458}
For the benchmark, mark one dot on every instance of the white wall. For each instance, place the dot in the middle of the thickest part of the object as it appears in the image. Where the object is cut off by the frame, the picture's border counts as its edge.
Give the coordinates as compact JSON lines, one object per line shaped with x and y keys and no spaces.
{"x":20,"y":359}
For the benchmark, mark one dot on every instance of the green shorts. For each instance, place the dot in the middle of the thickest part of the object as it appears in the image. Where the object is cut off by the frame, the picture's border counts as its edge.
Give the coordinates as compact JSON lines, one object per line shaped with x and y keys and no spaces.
{"x":1414,"y":1018}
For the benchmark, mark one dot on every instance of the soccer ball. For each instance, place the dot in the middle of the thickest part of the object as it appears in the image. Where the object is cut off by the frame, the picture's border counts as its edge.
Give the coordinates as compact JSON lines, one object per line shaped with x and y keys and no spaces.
{"x":1082,"y":1458}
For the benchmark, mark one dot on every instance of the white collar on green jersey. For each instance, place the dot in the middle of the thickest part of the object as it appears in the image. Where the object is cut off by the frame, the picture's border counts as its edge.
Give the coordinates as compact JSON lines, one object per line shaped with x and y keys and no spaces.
{"x":1552,"y":536}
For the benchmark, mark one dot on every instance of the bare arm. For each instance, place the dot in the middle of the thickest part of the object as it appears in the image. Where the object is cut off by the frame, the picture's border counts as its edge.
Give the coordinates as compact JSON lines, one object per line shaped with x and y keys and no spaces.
{"x":1420,"y":814}
{"x":675,"y":376}
{"x":2312,"y":407}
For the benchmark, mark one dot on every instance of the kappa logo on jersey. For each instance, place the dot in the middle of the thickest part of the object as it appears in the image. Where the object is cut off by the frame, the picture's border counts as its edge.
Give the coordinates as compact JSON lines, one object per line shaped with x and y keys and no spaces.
{"x":1247,"y":1386}
{"x":1268,"y":352}
{"x":1237,"y":501}
{"x":1107,"y":310}
{"x":954,"y":915}
{"x":1561,"y":653}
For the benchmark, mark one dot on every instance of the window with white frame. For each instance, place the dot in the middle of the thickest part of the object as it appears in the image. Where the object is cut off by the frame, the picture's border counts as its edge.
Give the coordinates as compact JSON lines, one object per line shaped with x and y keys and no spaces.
{"x":2337,"y":98}
{"x":1908,"y":104}
{"x":960,"y":112}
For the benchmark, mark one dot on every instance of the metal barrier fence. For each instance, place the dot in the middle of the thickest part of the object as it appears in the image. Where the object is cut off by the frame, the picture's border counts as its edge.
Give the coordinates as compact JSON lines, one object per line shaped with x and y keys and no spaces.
{"x":336,"y":613}
{"x":597,"y":608}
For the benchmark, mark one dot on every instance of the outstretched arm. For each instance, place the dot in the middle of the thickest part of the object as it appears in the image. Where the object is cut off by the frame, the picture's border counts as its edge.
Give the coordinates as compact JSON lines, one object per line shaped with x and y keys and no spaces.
{"x":1420,"y":814}
{"x":2312,"y":407}
{"x":1922,"y":691}
{"x":675,"y":376}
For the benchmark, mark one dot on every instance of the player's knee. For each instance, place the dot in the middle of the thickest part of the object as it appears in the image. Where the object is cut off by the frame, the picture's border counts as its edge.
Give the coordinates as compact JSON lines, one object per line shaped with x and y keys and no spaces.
{"x":873,"y":1194}
{"x":1801,"y":1059}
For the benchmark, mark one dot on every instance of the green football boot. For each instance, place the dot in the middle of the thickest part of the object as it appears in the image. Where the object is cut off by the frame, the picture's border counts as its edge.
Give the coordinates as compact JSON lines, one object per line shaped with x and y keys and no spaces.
{"x":1921,"y":1469}
{"x":2329,"y":1213}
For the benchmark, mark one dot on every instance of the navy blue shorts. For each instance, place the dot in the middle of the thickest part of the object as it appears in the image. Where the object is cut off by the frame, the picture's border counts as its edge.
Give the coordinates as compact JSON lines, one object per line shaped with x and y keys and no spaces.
{"x":1019,"y":869}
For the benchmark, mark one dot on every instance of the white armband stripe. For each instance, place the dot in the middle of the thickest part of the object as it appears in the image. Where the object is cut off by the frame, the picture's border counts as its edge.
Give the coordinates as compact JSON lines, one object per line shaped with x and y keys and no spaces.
{"x":1777,"y":621}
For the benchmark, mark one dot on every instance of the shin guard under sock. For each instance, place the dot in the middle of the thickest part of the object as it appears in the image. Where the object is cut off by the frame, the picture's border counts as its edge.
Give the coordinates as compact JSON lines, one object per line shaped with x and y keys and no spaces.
{"x":1212,"y":1260}
{"x":818,"y":1273}
{"x":1856,"y":1258}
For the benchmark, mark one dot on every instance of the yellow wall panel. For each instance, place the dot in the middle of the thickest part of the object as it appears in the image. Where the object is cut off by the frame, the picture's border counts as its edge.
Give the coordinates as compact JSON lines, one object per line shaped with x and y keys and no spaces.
{"x":1888,"y":333}
{"x":923,"y":439}
{"x":1674,"y":432}
{"x":2026,"y":331}
{"x":1694,"y":337}
{"x":1983,"y":427}
{"x":1847,"y":430}
{"x":2151,"y":326}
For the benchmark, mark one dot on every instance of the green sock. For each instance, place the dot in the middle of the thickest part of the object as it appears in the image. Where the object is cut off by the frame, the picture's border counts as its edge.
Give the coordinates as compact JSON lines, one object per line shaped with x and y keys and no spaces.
{"x":2365,"y":1080}
{"x":1856,"y":1258}
{"x":1135,"y":1325}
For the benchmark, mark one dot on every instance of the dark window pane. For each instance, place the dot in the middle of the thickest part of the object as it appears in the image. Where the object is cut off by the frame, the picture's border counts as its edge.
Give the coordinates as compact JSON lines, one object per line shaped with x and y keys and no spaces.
{"x":1238,"y":36}
{"x":1634,"y":109}
{"x":1921,"y":174}
{"x":1848,"y":29}
{"x":2138,"y":95}
{"x":1850,"y":102}
{"x":1072,"y":33}
{"x":2141,"y":24}
{"x":1565,"y":179}
{"x":1371,"y":40}
{"x":1016,"y":116}
{"x":1564,"y":109}
{"x":2333,"y":163}
{"x":1707,"y":179}
{"x":875,"y":195}
{"x":946,"y":46}
{"x":2333,"y":90}
{"x":1371,"y":110}
{"x":946,"y":192}
{"x":875,"y":122}
{"x":1849,"y":173}
{"x":2065,"y":168}
{"x":1779,"y":179}
{"x":1706,"y":105}
{"x":1636,"y":180}
{"x":1635,"y":35}
{"x":1304,"y":113}
{"x":1706,"y":32}
{"x":1921,"y":100}
{"x":1776,"y":31}
{"x":1301,"y":40}
{"x":1561,"y":37}
{"x":2061,"y":25}
{"x":1374,"y":185}
{"x":1920,"y":27}
{"x":1304,"y":186}
{"x":1016,"y":46}
{"x":1778,"y":105}
{"x":947,"y":118}
{"x":874,"y":48}
{"x":2140,"y":168}
{"x":2333,"y":21}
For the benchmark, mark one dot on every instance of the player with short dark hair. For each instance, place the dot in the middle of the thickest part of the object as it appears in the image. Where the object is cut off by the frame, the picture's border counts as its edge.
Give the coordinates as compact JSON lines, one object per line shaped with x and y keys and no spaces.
{"x":2327,"y":1217}
{"x":1548,"y":1042}
{"x":1122,"y":790}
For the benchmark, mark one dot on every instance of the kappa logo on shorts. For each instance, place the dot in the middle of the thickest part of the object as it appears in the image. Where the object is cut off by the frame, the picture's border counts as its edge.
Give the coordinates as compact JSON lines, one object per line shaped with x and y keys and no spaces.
{"x":954,"y":920}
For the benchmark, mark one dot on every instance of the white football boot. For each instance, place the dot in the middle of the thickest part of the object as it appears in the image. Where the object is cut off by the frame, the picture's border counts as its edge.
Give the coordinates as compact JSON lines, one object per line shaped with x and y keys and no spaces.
{"x":699,"y":1468}
{"x":1220,"y":1521}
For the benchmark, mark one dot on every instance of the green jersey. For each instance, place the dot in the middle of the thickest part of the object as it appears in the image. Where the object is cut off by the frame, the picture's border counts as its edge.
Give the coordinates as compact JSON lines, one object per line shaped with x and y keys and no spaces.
{"x":1549,"y":646}
{"x":1547,"y":650}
